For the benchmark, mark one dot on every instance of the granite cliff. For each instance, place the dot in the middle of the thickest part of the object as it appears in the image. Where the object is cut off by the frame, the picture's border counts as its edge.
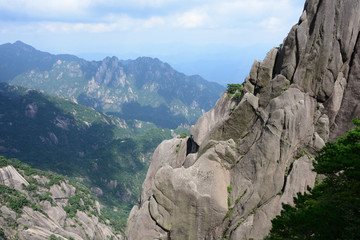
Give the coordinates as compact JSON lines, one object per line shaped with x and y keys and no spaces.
{"x":254,"y":150}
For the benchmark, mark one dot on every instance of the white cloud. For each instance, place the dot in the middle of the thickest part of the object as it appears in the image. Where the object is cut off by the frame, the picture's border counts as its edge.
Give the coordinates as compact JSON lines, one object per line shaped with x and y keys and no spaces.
{"x":154,"y":13}
{"x":191,"y":19}
{"x":238,"y":13}
{"x":117,"y":24}
{"x":272,"y":23}
{"x":64,"y":27}
{"x":48,"y":8}
{"x":154,"y":22}
{"x":135,"y":3}
{"x":151,"y":3}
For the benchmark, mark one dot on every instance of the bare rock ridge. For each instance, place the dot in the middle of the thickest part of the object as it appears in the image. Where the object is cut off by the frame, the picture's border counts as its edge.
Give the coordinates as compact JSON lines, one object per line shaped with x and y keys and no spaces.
{"x":256,"y":152}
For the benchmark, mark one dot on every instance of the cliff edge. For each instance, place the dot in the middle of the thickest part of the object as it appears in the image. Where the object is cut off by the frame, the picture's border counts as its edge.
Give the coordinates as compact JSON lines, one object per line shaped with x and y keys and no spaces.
{"x":254,"y":150}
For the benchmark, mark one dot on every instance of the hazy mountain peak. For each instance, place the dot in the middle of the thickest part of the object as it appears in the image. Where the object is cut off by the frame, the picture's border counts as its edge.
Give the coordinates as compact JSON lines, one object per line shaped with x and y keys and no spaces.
{"x":24,"y":46}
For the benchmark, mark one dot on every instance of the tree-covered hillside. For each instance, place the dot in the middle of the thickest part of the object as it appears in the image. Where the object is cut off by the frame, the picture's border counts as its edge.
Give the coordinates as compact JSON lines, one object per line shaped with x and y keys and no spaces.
{"x":107,"y":154}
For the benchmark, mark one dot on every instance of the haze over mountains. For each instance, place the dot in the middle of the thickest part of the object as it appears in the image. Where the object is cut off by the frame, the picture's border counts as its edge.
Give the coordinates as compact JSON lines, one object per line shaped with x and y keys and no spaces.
{"x":145,"y":89}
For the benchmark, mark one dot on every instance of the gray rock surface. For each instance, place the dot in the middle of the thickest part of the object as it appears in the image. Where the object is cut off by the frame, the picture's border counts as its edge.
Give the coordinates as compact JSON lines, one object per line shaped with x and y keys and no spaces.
{"x":170,"y":152}
{"x":52,"y":219}
{"x":141,"y":225}
{"x":257,"y":153}
{"x":11,"y":178}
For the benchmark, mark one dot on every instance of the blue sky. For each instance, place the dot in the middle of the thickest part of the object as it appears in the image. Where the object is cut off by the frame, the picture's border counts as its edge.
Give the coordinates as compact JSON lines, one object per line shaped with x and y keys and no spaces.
{"x":218,"y":39}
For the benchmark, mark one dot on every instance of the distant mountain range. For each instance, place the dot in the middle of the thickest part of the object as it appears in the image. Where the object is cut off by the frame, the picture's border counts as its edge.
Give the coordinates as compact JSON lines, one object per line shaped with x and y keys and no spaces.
{"x":145,"y":89}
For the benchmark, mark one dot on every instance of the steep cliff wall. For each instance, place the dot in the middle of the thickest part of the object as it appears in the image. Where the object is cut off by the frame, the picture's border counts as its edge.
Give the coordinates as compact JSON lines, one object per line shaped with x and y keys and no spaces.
{"x":256,"y":152}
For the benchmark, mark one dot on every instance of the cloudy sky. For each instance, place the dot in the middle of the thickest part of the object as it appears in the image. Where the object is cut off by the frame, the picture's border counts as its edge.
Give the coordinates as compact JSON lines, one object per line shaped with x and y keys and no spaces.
{"x":218,"y":39}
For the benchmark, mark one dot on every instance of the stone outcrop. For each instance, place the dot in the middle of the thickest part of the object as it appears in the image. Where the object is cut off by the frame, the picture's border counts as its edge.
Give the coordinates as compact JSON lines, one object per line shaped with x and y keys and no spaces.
{"x":11,"y":178}
{"x":256,"y":153}
{"x":45,"y":214}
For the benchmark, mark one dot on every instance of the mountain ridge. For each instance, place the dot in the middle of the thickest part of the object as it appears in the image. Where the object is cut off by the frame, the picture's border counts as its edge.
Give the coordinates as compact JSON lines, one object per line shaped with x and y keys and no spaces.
{"x":111,"y":84}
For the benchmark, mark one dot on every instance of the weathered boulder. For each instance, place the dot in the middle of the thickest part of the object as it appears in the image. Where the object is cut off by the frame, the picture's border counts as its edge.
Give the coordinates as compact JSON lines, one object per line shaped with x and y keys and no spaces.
{"x":141,"y":225}
{"x":11,"y":178}
{"x":170,"y":152}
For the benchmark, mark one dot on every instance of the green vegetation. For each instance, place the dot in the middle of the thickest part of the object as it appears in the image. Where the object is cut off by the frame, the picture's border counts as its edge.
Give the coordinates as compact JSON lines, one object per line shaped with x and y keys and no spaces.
{"x":331,"y":209}
{"x":232,"y":88}
{"x":44,"y":197}
{"x":130,"y":157}
{"x":229,"y":189}
{"x":177,"y":148}
{"x":235,"y":91}
{"x":2,"y":234}
{"x":55,"y":179}
{"x":30,"y":187}
{"x":78,"y":202}
{"x":239,"y":198}
{"x":237,"y":96}
{"x":53,"y":237}
{"x":13,"y":198}
{"x":183,"y":135}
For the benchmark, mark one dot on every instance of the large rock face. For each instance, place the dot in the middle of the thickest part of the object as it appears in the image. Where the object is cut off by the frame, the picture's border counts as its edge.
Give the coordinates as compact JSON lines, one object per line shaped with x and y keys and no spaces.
{"x":256,"y":153}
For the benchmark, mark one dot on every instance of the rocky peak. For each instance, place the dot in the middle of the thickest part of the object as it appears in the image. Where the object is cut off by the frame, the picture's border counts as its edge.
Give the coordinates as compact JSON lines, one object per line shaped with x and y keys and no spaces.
{"x":256,"y":149}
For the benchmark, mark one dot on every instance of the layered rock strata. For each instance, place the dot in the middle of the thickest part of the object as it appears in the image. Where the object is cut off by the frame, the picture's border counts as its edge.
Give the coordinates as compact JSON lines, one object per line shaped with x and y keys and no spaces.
{"x":256,"y":152}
